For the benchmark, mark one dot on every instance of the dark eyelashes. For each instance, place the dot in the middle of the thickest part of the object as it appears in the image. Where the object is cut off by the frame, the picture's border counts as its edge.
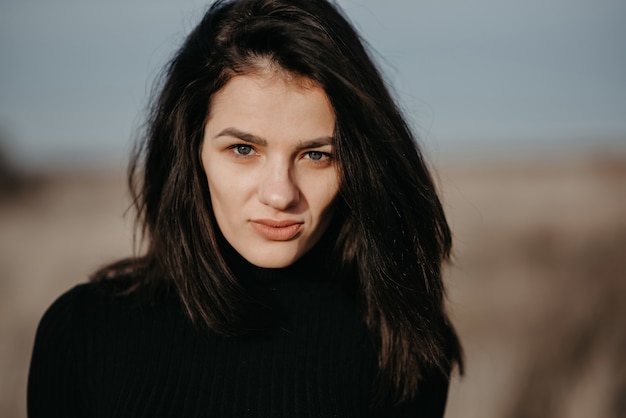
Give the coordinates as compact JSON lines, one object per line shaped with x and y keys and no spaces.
{"x":242,"y":149}
{"x":245,"y":150}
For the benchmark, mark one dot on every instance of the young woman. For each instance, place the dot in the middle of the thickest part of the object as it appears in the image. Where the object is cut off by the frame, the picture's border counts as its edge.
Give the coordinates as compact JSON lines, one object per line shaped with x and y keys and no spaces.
{"x":294,"y":242}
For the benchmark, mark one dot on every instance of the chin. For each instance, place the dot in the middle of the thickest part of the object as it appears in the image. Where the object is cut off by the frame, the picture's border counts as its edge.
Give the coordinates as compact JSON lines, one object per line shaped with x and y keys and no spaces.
{"x":273,"y":259}
{"x":271,"y":263}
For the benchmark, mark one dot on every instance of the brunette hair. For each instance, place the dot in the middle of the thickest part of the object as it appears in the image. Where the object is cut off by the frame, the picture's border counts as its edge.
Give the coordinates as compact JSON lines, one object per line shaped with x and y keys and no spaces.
{"x":393,"y":235}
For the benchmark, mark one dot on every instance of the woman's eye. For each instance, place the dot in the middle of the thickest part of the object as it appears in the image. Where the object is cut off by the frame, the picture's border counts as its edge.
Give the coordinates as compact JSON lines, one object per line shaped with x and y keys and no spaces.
{"x":242,"y":149}
{"x":315,"y":155}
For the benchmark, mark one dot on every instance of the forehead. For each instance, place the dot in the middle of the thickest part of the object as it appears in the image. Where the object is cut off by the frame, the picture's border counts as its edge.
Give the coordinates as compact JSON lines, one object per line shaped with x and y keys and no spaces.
{"x":273,"y":106}
{"x":267,"y":76}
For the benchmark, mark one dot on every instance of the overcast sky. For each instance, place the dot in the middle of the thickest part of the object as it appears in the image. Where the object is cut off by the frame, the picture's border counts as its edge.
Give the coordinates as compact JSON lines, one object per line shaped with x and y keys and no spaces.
{"x":471,"y":75}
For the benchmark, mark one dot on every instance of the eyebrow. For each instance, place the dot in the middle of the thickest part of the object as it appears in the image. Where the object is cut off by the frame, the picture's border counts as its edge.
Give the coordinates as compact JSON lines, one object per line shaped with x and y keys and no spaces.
{"x":257,"y":140}
{"x":244,"y":136}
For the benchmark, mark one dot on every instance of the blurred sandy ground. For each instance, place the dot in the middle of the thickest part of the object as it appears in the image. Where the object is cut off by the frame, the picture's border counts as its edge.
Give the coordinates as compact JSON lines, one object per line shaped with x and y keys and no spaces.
{"x":537,"y":289}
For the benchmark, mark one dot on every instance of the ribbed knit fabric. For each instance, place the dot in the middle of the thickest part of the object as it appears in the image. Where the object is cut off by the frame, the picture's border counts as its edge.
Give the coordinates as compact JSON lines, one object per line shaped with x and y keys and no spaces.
{"x":98,"y":354}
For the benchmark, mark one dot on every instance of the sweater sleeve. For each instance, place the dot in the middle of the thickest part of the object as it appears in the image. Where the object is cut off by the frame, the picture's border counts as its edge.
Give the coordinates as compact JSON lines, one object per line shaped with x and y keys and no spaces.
{"x":53,"y":387}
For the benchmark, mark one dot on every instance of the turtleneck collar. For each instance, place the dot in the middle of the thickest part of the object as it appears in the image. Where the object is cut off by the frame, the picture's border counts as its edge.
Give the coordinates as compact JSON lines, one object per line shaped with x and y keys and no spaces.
{"x":314,"y":265}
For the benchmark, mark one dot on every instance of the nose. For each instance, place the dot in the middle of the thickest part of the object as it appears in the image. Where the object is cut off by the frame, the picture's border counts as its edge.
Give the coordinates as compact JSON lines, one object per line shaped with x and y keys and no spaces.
{"x":277,"y":188}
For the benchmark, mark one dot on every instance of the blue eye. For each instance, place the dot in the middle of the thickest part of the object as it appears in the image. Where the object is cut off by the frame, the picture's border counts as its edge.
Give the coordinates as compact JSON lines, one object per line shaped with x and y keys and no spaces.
{"x":315,"y":155}
{"x":243,"y":149}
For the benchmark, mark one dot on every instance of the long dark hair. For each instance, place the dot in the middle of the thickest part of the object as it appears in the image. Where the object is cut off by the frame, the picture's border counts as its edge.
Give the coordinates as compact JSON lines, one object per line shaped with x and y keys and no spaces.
{"x":393,"y":235}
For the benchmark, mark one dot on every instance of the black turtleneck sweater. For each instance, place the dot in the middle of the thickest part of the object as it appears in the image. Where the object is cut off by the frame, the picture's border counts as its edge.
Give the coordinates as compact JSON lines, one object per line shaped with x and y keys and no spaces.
{"x":100,"y":354}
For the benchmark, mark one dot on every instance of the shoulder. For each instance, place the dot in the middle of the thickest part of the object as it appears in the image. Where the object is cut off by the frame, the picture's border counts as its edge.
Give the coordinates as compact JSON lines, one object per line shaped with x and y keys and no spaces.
{"x":68,"y":342}
{"x":84,"y":302}
{"x":83,"y":294}
{"x":92,"y":318}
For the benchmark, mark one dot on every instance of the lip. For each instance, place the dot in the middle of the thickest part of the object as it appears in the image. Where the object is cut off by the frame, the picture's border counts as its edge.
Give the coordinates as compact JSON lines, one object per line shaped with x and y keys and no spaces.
{"x":275,"y":230}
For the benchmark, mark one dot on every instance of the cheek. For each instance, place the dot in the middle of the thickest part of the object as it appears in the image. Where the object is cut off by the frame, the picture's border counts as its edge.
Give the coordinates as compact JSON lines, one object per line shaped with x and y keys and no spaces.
{"x":216,"y":186}
{"x":230,"y":190}
{"x":222,"y":196}
{"x":325,"y":194}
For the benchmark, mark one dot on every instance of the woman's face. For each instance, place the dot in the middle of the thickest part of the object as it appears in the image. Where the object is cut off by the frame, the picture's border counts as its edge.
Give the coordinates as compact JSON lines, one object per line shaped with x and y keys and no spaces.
{"x":268,"y":157}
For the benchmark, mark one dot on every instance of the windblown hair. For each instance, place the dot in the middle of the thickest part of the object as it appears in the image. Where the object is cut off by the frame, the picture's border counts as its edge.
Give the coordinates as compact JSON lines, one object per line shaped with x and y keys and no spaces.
{"x":393,"y":235}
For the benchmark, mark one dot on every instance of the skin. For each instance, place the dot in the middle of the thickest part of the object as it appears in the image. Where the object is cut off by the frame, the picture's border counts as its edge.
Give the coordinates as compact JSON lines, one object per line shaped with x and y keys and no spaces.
{"x":268,"y":157}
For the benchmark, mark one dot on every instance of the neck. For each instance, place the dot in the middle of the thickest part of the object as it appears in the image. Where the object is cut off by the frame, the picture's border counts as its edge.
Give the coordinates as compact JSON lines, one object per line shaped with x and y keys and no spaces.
{"x":313,"y":265}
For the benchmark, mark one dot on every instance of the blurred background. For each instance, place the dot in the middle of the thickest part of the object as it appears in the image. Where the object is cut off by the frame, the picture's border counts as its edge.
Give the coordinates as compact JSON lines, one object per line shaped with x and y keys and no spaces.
{"x":520,"y":107}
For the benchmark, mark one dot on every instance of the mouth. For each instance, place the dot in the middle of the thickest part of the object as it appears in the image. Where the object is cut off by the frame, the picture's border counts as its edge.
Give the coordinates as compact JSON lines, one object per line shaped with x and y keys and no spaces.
{"x":274,"y":230}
